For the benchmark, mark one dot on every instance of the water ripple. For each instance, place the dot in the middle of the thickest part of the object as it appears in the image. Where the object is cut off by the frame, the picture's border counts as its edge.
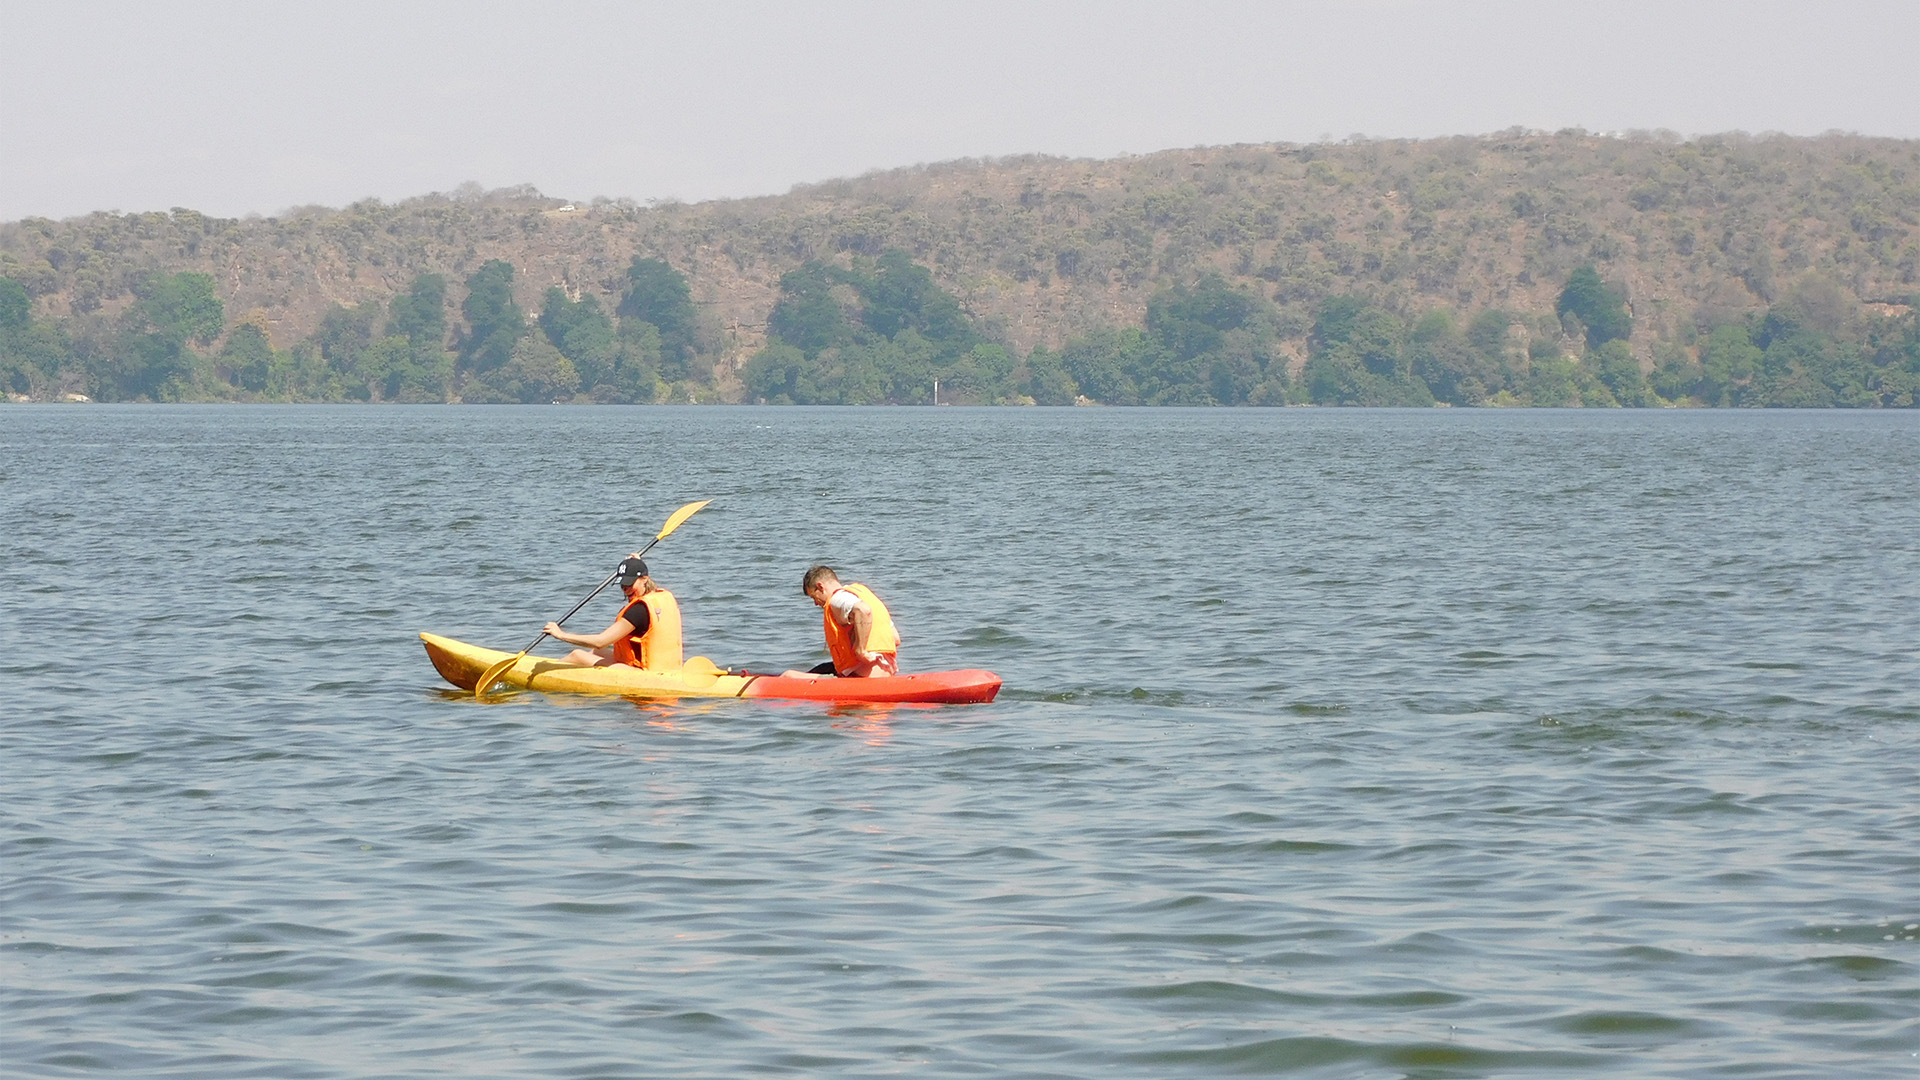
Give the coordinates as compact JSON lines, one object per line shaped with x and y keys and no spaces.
{"x":1334,"y":744}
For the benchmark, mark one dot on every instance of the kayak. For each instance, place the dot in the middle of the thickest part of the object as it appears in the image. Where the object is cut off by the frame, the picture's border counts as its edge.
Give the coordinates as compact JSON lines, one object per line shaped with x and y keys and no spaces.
{"x":461,"y":664}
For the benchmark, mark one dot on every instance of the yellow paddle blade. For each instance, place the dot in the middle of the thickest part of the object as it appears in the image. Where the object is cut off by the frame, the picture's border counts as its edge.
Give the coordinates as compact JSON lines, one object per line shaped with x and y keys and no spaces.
{"x":700,"y":671}
{"x":492,"y":675}
{"x":681,"y":515}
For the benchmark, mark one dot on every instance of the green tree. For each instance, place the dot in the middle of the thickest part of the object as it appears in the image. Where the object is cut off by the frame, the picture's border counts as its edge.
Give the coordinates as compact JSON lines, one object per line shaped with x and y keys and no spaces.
{"x":1728,"y":362}
{"x":1552,"y":382}
{"x":853,"y":375}
{"x":559,"y":313}
{"x":883,"y":330}
{"x":1799,"y":368}
{"x":154,"y":360}
{"x":411,"y":362}
{"x":248,"y":358}
{"x":1356,"y":358}
{"x":420,"y":313}
{"x":907,"y":365}
{"x":1190,"y":322}
{"x":1487,"y":333}
{"x":1460,"y":369}
{"x":980,"y":376}
{"x":857,"y":373}
{"x":343,"y":337}
{"x":535,"y":374}
{"x":583,"y":334}
{"x":495,"y":323}
{"x":182,"y":308}
{"x":807,"y":316}
{"x":1600,"y":309}
{"x":32,"y":351}
{"x":16,"y":307}
{"x":307,"y":376}
{"x":1615,"y":366}
{"x":1894,"y":347}
{"x":378,"y":369}
{"x":901,"y":294}
{"x":1044,"y":378}
{"x":773,"y":375}
{"x":1676,"y":374}
{"x":636,"y":362}
{"x":397,"y":369}
{"x":1103,"y":363}
{"x":1215,"y":341}
{"x":1370,"y":334}
{"x":1238,"y":365}
{"x":657,"y":293}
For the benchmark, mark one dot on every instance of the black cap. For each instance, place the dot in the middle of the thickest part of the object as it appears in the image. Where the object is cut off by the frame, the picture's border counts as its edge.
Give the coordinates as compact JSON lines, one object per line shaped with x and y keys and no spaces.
{"x":631,"y":570}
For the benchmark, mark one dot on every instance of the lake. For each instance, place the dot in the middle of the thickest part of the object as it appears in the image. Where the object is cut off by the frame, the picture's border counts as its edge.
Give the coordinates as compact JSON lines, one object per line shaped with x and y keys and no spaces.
{"x":1334,"y":743}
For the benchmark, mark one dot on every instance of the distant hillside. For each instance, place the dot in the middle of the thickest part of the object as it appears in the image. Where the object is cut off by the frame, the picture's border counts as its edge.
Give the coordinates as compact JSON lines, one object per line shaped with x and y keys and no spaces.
{"x":1045,"y":251}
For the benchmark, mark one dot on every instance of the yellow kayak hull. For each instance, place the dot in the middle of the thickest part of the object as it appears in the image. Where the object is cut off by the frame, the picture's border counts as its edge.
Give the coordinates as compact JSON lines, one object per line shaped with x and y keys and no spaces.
{"x":462,"y":665}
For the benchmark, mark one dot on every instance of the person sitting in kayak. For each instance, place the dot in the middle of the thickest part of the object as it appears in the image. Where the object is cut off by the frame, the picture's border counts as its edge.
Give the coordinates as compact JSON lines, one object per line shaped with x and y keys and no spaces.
{"x":860,"y":633}
{"x":646,"y":635}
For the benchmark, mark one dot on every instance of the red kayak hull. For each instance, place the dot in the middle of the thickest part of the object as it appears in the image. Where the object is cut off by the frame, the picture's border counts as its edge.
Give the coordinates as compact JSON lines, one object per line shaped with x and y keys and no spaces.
{"x":964,"y":687}
{"x":462,"y":665}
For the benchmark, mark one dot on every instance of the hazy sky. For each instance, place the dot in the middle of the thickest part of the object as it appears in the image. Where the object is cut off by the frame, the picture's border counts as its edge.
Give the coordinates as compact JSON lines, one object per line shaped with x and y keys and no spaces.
{"x":236,"y":108}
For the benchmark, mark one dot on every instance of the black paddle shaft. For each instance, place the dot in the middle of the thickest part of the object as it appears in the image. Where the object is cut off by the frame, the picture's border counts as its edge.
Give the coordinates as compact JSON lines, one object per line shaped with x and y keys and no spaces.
{"x":562,"y":620}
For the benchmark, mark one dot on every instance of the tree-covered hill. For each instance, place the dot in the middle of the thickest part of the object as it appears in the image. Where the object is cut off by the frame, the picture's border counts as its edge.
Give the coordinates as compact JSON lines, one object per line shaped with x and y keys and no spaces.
{"x":1520,"y":268}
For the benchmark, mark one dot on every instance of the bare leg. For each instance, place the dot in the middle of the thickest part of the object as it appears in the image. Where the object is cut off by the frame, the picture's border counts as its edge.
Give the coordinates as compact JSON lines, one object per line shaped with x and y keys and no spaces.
{"x":585,"y":658}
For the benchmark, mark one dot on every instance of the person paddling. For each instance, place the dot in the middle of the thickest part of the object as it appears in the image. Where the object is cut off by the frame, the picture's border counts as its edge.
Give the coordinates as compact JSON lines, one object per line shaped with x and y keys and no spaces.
{"x":860,"y":633}
{"x":646,"y":635}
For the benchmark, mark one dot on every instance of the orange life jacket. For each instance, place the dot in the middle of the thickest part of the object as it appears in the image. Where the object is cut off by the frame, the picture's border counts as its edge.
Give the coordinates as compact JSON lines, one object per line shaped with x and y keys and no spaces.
{"x":659,"y":648}
{"x":882,"y":639}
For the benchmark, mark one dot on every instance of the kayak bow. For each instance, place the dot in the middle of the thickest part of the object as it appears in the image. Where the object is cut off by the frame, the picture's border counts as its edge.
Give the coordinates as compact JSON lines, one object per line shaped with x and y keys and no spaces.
{"x":462,"y":665}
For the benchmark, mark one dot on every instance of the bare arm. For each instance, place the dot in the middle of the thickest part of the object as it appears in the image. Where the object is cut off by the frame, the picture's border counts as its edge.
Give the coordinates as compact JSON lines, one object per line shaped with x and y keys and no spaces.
{"x":860,"y":621}
{"x":620,"y":628}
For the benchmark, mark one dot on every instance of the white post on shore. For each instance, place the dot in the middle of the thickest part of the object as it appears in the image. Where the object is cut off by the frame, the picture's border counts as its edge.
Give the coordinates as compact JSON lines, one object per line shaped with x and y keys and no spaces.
{"x":936,"y":391}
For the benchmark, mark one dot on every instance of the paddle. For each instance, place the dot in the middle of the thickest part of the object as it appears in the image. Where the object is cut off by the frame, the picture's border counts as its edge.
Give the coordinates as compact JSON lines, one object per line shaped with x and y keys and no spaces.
{"x":702,"y":672}
{"x":493,"y":672}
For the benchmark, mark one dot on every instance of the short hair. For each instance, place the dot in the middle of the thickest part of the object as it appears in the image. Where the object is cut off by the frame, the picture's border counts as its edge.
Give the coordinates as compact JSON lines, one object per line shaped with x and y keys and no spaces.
{"x":815,"y":576}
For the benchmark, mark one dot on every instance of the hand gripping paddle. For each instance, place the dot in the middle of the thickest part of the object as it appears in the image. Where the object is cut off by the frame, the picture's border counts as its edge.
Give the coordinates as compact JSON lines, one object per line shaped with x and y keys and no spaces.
{"x":493,"y":673}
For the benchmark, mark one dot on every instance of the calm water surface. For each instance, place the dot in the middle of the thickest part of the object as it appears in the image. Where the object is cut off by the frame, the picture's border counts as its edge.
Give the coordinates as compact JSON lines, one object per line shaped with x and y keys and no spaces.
{"x":1334,"y":744}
